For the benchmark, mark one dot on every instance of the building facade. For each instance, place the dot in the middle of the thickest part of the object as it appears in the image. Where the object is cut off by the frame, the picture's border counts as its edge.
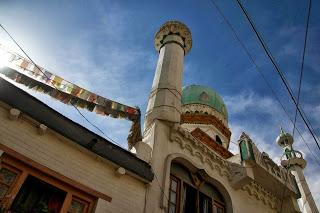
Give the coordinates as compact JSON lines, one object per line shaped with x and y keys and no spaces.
{"x":51,"y":164}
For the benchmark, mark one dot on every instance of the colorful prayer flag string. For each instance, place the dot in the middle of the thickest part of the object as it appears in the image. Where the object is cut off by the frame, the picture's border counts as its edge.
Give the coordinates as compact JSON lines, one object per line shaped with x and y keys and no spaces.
{"x":25,"y":72}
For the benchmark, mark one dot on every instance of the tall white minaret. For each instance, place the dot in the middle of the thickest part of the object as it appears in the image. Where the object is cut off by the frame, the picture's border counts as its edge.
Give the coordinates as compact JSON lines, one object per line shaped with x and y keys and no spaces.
{"x":295,"y":163}
{"x":173,"y":41}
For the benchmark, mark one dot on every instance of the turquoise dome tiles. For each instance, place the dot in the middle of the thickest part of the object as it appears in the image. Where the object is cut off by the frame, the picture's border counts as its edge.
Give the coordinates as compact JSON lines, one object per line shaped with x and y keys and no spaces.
{"x":196,"y":94}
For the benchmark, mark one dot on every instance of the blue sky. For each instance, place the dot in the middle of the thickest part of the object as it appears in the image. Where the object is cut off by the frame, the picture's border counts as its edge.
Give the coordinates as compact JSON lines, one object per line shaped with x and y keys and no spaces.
{"x":107,"y":47}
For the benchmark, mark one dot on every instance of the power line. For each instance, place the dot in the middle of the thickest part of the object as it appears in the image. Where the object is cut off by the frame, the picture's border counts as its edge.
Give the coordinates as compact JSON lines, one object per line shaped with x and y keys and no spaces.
{"x":162,"y":190}
{"x":273,"y":61}
{"x":56,"y":87}
{"x":302,"y":64}
{"x":262,"y":75}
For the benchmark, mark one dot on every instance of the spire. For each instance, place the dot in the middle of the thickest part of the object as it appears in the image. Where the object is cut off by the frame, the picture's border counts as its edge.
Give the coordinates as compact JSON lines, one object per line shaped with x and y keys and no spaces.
{"x":295,"y":163}
{"x":285,"y":140}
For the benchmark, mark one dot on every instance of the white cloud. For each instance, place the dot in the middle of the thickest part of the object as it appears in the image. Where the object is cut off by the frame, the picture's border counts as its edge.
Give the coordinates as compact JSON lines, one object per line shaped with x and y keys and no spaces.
{"x":264,"y":135}
{"x":250,"y":101}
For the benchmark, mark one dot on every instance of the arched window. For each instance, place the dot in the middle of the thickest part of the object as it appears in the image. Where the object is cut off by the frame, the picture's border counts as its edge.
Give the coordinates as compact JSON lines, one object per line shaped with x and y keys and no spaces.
{"x":218,"y":140}
{"x":189,"y":192}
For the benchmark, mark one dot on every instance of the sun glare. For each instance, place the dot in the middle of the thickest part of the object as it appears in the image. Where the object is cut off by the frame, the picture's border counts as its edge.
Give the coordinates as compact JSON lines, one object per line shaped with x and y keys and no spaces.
{"x":3,"y":59}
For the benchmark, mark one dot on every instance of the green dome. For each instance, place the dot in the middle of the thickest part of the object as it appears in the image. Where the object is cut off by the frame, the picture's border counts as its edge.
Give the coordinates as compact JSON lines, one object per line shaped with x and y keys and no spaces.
{"x":196,"y":94}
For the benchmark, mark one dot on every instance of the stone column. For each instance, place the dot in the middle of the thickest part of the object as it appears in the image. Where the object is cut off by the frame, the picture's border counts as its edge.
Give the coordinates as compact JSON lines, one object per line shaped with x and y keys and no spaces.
{"x":173,"y":41}
{"x":309,"y":204}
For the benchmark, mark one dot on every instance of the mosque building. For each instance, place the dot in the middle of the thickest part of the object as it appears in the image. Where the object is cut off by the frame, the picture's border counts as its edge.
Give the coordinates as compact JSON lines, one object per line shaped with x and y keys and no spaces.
{"x":181,"y":165}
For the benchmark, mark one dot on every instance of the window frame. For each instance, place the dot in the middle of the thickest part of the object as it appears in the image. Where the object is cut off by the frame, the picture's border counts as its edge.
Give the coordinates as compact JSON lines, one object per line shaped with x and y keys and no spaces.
{"x":214,"y":203}
{"x":12,"y":189}
{"x":25,"y":167}
{"x":178,"y":192}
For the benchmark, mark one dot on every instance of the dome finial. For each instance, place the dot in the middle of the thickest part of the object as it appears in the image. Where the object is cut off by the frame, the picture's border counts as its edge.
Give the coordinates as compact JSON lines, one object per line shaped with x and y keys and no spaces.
{"x":284,"y":139}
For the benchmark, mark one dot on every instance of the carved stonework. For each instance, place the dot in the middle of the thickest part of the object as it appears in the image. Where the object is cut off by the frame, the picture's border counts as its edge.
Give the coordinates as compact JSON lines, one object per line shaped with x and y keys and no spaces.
{"x":199,"y":150}
{"x":260,"y":193}
{"x":244,"y":136}
{"x":204,"y":109}
{"x":278,"y":172}
{"x":206,"y":139}
{"x":240,"y":177}
{"x":206,"y":119}
{"x":177,"y":28}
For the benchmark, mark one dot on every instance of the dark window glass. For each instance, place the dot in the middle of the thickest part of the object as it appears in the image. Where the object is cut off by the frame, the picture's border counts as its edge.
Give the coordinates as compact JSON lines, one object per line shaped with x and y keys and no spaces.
{"x":218,"y":140}
{"x":189,"y":199}
{"x":36,"y":195}
{"x":205,"y":203}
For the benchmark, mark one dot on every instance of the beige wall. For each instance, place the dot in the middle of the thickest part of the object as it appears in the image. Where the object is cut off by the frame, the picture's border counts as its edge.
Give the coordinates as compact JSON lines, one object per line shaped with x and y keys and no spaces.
{"x":241,"y":200}
{"x":73,"y":161}
{"x":170,"y":144}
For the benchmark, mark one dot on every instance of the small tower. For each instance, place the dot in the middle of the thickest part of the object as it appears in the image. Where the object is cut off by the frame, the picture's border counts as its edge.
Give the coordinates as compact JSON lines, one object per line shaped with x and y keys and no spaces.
{"x":173,"y":41}
{"x":295,"y":163}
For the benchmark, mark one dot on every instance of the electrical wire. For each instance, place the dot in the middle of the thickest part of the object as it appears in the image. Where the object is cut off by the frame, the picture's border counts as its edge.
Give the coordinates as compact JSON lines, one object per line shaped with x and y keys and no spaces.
{"x":273,"y":61}
{"x":162,"y":190}
{"x":283,"y":77}
{"x":262,"y":75}
{"x":302,"y":64}
{"x":56,"y":87}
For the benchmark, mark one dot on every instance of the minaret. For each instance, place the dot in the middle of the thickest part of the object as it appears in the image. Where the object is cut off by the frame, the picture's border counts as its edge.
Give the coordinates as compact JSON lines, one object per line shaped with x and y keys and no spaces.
{"x":295,"y":163}
{"x":172,"y":41}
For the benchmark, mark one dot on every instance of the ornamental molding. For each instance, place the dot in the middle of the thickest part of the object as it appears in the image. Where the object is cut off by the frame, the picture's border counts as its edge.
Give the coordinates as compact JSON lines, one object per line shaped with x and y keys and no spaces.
{"x":176,"y":28}
{"x":200,"y":150}
{"x":206,"y":119}
{"x":240,"y":177}
{"x":262,"y":161}
{"x":260,"y":193}
{"x":206,"y":139}
{"x":203,"y":109}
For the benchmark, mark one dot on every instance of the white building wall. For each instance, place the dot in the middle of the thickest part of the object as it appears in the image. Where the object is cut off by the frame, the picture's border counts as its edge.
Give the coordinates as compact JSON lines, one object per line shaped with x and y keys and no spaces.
{"x":69,"y":159}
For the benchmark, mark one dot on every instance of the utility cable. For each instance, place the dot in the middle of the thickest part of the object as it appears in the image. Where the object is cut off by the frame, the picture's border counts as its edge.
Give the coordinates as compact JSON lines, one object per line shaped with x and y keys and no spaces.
{"x":273,"y":61}
{"x":302,"y":64}
{"x":162,"y":190}
{"x":261,"y":74}
{"x":56,"y":87}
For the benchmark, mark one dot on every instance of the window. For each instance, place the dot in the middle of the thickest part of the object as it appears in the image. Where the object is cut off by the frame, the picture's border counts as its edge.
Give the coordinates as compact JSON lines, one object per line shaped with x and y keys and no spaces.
{"x":24,"y":189}
{"x":188,"y":196}
{"x":38,"y":196}
{"x":205,"y":203}
{"x":78,"y":206}
{"x":174,"y":194}
{"x":8,"y":176}
{"x":218,"y":207}
{"x":218,"y":140}
{"x":189,"y":199}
